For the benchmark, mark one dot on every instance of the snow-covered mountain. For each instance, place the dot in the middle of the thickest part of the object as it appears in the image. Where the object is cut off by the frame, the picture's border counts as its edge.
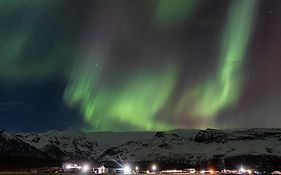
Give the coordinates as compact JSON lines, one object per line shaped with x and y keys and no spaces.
{"x":184,"y":146}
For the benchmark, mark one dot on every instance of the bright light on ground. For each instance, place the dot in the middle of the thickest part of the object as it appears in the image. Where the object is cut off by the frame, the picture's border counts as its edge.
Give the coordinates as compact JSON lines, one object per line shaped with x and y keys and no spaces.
{"x":127,"y":169}
{"x":85,"y":168}
{"x":154,"y":167}
{"x":242,"y":170}
{"x":68,"y":166}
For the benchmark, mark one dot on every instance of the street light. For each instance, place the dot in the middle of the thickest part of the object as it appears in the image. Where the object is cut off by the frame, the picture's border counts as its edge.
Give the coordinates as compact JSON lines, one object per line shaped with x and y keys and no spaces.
{"x":154,"y":167}
{"x":242,"y":169}
{"x":85,"y":168}
{"x":127,"y":169}
{"x":68,"y":166}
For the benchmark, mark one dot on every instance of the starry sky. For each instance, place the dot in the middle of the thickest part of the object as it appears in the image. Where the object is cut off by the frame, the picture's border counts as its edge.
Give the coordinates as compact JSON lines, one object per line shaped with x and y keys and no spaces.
{"x":123,"y":65}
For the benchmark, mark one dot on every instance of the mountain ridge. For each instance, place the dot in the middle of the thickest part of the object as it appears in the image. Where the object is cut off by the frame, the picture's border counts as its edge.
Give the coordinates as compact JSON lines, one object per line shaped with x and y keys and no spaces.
{"x":189,"y":147}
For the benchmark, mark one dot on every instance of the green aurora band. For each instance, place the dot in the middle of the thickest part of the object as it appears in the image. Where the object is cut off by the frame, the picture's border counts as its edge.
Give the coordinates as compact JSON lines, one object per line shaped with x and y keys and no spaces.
{"x":138,"y":101}
{"x":134,"y":103}
{"x":210,"y":97}
{"x":141,"y":100}
{"x":24,"y":57}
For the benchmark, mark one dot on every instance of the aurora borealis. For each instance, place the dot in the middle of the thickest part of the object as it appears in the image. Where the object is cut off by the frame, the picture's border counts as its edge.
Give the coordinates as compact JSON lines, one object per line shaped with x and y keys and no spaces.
{"x":106,"y":65}
{"x":223,"y":88}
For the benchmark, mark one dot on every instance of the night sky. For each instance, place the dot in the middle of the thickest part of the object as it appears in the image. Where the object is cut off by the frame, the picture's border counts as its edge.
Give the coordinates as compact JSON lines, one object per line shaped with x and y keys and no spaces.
{"x":122,"y":65}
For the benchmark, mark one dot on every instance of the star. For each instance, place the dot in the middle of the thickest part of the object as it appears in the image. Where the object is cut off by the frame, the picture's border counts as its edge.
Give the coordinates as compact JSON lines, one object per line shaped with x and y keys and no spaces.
{"x":269,"y":11}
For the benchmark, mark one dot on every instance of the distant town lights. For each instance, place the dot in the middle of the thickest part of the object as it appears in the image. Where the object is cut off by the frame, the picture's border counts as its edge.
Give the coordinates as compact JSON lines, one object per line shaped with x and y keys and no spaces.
{"x":127,"y":169}
{"x":72,"y":166}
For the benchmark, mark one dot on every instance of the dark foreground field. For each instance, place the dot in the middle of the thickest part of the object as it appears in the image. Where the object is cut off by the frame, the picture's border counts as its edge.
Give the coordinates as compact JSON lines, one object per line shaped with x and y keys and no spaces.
{"x":10,"y":173}
{"x":6,"y":173}
{"x":43,"y":174}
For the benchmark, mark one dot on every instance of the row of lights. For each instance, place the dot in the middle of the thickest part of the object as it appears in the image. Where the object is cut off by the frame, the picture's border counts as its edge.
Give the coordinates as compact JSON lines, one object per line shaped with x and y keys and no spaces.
{"x":241,"y":170}
{"x":84,"y":168}
{"x":127,"y":169}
